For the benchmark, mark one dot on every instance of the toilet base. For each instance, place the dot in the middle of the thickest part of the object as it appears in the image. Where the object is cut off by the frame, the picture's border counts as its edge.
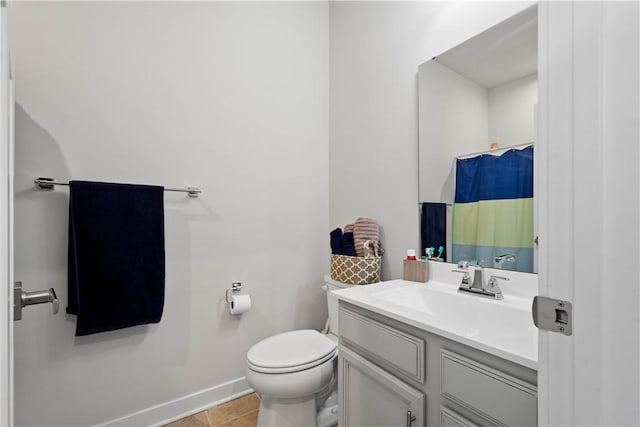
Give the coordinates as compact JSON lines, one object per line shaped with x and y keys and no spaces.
{"x":296,"y":412}
{"x":327,"y":415}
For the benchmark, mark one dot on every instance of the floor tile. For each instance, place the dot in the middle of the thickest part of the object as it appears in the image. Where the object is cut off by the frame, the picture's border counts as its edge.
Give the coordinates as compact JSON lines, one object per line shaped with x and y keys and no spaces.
{"x":229,"y":411}
{"x":248,"y":420}
{"x":197,"y":420}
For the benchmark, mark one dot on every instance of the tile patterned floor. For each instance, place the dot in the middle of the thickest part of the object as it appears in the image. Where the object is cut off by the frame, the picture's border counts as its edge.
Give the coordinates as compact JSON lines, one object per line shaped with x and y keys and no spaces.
{"x":241,"y":412}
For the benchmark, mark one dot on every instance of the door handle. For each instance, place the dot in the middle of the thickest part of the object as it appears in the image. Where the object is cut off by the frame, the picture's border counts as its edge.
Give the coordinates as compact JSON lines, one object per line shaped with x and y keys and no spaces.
{"x":22,"y":299}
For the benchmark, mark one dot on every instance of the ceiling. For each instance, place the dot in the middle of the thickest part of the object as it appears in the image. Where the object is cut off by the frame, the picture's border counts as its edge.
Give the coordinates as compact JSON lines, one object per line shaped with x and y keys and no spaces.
{"x":501,"y":54}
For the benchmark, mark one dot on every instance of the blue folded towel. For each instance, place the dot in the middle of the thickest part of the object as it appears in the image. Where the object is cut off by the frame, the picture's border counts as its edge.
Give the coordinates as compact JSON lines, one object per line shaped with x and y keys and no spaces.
{"x":348,"y":245}
{"x":336,"y":241}
{"x":116,"y":260}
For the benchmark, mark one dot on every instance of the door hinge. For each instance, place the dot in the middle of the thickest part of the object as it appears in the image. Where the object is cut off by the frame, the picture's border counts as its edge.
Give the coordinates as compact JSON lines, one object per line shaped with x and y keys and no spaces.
{"x":552,"y":315}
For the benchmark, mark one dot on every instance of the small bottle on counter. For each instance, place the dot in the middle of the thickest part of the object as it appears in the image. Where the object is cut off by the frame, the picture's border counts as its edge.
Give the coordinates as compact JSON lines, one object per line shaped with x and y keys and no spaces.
{"x":411,"y":254}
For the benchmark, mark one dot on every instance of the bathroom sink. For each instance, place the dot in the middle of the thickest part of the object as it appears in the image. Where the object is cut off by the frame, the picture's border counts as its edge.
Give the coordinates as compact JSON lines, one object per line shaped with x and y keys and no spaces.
{"x":448,"y":306}
{"x":502,"y":328}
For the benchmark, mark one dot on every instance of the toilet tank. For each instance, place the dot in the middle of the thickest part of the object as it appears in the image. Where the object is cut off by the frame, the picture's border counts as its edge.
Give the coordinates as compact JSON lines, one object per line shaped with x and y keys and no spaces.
{"x":332,"y":302}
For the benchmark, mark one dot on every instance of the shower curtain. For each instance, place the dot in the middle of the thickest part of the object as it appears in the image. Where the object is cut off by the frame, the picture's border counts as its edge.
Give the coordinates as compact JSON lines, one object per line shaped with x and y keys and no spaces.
{"x":493,"y":210}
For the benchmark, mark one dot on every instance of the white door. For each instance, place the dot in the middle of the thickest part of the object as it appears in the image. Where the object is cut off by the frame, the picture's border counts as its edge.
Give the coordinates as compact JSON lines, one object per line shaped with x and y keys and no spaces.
{"x":589,"y":201}
{"x":6,"y":227}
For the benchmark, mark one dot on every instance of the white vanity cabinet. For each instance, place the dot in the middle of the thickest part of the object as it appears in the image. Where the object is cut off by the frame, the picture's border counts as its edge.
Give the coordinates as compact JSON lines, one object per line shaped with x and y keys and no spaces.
{"x":393,"y":374}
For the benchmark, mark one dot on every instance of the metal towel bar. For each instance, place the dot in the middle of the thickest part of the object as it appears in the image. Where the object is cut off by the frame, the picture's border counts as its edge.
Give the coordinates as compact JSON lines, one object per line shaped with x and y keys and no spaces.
{"x":49,"y":183}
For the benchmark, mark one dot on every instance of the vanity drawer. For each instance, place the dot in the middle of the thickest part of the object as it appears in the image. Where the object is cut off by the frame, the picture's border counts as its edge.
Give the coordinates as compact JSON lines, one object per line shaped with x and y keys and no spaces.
{"x":499,"y":397}
{"x":384,"y":343}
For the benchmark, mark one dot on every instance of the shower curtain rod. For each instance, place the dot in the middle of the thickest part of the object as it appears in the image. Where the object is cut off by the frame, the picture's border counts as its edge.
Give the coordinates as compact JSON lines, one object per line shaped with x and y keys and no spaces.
{"x":495,"y":149}
{"x":49,"y":183}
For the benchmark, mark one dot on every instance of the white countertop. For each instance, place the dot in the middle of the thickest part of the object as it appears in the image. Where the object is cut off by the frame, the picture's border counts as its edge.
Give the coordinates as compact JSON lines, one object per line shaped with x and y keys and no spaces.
{"x":502,"y":328}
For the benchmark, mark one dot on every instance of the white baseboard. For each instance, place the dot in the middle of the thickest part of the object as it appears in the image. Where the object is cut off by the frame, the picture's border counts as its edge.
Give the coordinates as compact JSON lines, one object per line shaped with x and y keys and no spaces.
{"x":173,"y":410}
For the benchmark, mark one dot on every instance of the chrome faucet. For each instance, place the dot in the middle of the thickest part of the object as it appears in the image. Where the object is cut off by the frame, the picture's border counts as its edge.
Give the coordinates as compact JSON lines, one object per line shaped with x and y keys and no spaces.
{"x":478,"y":276}
{"x":499,"y":260}
{"x":478,"y":286}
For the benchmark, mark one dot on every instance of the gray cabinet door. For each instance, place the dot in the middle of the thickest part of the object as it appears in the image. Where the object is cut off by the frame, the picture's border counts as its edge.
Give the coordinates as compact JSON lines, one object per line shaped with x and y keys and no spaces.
{"x":371,"y":397}
{"x":449,"y":418}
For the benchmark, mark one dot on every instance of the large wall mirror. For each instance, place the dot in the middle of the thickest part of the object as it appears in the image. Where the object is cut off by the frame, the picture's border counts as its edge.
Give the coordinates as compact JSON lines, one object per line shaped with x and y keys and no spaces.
{"x":477,"y":124}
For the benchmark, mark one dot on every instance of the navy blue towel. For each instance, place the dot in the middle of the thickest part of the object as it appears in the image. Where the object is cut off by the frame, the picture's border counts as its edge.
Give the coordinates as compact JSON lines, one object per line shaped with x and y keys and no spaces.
{"x":336,"y":241}
{"x":348,"y":245}
{"x":433,"y":227}
{"x":116,"y":263}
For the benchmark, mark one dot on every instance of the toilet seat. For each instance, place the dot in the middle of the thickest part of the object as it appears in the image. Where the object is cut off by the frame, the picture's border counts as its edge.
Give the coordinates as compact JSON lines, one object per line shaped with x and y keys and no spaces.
{"x":291,"y":352}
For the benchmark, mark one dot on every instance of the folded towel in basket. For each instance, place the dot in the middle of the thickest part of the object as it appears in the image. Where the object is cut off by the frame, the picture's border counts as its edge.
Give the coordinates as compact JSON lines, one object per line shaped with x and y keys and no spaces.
{"x":348,"y":244}
{"x":116,"y":262}
{"x":336,"y":241}
{"x":366,"y":229}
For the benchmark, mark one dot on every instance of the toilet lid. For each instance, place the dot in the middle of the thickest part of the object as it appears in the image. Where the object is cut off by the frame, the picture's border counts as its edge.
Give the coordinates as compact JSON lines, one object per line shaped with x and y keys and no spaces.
{"x":291,"y":352}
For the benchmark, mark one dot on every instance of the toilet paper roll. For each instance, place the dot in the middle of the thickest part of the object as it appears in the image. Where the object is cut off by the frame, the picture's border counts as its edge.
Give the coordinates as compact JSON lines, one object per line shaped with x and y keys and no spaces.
{"x":240,"y":304}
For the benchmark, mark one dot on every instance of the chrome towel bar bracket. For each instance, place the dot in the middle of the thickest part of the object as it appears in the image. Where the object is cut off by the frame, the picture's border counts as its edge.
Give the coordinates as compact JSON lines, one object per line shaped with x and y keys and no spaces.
{"x":48,"y":184}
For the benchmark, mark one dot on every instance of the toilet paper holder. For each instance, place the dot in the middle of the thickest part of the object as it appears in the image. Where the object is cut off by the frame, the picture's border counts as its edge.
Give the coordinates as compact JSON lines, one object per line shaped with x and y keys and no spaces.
{"x":235,"y":287}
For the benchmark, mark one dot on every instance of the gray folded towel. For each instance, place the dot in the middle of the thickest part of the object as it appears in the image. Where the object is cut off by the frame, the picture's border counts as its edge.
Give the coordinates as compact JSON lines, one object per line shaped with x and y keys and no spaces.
{"x":366,"y":229}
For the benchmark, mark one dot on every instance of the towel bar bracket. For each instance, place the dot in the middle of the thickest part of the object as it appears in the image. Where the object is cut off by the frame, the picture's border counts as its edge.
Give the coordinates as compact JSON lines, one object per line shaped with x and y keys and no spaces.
{"x":45,"y":183}
{"x":192,"y":191}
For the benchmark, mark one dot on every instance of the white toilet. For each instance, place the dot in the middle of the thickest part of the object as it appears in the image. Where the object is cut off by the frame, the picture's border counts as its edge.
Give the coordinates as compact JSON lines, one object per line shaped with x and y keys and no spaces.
{"x":296,"y":374}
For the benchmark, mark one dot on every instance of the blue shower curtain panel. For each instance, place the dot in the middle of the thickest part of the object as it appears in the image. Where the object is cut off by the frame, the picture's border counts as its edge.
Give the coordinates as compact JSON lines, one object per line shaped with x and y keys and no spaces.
{"x":493,"y":211}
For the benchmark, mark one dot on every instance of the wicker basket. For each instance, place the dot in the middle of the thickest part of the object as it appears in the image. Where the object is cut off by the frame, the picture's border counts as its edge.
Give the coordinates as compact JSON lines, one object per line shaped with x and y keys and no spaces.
{"x":356,"y":270}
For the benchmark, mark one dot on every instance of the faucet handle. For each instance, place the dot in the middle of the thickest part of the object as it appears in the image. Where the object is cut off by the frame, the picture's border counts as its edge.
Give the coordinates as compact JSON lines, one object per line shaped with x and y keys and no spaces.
{"x":465,"y":279}
{"x":492,"y":284}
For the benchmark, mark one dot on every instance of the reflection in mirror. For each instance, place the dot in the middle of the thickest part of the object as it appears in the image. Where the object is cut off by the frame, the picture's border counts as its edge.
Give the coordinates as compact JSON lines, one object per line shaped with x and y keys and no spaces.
{"x":477,"y":106}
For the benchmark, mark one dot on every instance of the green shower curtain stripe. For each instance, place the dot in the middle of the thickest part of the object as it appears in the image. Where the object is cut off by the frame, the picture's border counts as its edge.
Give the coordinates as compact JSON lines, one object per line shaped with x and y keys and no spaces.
{"x":499,"y":223}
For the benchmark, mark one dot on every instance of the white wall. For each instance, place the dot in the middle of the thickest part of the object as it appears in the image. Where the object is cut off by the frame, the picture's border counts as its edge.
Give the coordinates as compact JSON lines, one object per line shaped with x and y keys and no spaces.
{"x":231,"y":97}
{"x":511,"y":111}
{"x":376,"y":48}
{"x":453,"y":120}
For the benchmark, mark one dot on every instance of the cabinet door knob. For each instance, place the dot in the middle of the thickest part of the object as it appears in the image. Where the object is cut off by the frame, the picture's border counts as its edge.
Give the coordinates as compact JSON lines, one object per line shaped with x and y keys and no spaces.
{"x":410,"y":418}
